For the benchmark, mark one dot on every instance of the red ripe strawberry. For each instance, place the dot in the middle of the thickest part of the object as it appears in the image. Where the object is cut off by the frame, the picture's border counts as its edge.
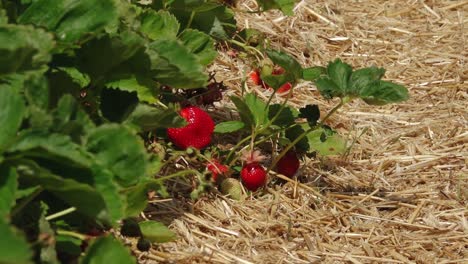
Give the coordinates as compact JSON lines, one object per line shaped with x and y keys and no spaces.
{"x":255,"y":77}
{"x":288,"y":164}
{"x":197,"y":133}
{"x":284,"y":88}
{"x":253,"y":176}
{"x":216,"y":168}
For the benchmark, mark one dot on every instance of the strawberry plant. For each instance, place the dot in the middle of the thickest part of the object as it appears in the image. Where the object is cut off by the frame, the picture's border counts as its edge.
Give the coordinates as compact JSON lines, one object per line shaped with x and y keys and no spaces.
{"x":97,"y":104}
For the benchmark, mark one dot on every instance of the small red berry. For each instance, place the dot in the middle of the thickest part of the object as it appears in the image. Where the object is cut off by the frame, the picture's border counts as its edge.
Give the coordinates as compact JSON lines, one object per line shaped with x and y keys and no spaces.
{"x":216,"y":168}
{"x":288,"y":164}
{"x":253,"y":176}
{"x":197,"y":133}
{"x":255,"y":77}
{"x":284,"y":88}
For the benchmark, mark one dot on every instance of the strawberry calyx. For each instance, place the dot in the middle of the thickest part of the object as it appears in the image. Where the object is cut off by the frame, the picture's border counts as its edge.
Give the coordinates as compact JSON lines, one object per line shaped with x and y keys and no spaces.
{"x":252,"y":156}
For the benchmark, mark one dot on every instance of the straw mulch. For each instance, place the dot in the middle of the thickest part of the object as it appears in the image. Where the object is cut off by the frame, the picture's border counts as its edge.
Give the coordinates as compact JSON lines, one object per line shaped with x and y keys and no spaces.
{"x":400,"y":195}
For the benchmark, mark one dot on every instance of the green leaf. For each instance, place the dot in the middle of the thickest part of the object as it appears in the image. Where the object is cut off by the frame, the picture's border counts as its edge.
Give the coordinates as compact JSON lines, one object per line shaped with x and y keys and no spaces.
{"x":196,"y":5}
{"x":362,"y":78}
{"x":364,"y":83}
{"x":274,"y":81}
{"x":82,"y":196}
{"x":137,"y":196}
{"x":36,"y":91}
{"x":312,"y":73}
{"x":328,"y":89}
{"x":326,"y":142}
{"x":3,"y":17}
{"x":107,"y":250}
{"x":340,"y":72}
{"x":12,"y":110}
{"x":384,"y":92}
{"x":287,"y":116}
{"x":23,"y":193}
{"x":245,"y":112}
{"x":293,"y":70}
{"x":8,"y":188}
{"x":145,"y":88}
{"x":156,"y":232}
{"x":212,"y":18}
{"x":311,"y":113}
{"x":149,"y":118}
{"x":55,"y":147}
{"x":13,"y":248}
{"x":286,"y":61}
{"x":72,"y":19}
{"x":118,"y":149}
{"x":159,"y":25}
{"x":199,"y":44}
{"x":296,"y":131}
{"x":68,"y":245}
{"x":100,"y":56}
{"x":109,"y":190}
{"x":20,"y":49}
{"x":257,"y":107}
{"x":175,"y":66}
{"x":80,"y":78}
{"x":70,"y":119}
{"x":229,"y":127}
{"x":116,"y":104}
{"x":286,"y":6}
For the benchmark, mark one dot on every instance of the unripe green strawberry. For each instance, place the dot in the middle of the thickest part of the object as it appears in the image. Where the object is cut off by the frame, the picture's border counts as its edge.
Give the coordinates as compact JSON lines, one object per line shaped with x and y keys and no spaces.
{"x":253,"y":176}
{"x":232,"y":188}
{"x":288,"y":164}
{"x":197,"y":133}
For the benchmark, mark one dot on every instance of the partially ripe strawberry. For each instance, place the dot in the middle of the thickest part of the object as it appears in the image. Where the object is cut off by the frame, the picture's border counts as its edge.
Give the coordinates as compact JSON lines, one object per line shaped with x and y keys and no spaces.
{"x":216,"y":168}
{"x":197,"y":133}
{"x":288,"y":164}
{"x":253,"y":176}
{"x":257,"y":80}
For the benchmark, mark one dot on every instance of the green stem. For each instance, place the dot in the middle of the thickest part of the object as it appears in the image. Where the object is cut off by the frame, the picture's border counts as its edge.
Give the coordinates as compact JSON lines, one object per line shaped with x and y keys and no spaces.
{"x":189,"y":23}
{"x":265,"y":127}
{"x":247,"y":138}
{"x":246,"y":47}
{"x":338,"y":106}
{"x":25,"y":201}
{"x":285,"y":100}
{"x":304,"y":134}
{"x":262,"y":140}
{"x":72,"y":234}
{"x":61,"y":213}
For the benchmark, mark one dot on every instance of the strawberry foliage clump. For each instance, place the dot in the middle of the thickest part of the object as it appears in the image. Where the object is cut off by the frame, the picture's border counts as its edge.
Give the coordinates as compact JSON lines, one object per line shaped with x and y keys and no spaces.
{"x":100,"y":100}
